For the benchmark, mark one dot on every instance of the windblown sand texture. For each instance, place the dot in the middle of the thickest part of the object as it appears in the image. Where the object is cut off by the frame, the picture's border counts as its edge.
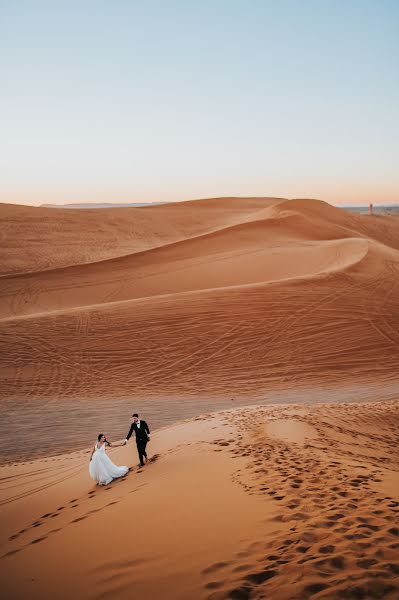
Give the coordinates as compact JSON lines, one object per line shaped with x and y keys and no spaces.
{"x":278,"y":502}
{"x":200,"y":303}
{"x":218,"y":296}
{"x":178,"y":311}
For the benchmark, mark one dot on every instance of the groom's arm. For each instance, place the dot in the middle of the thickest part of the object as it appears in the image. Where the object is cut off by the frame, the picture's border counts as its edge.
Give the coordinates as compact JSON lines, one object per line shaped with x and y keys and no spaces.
{"x":147,"y":429}
{"x":129,"y":435}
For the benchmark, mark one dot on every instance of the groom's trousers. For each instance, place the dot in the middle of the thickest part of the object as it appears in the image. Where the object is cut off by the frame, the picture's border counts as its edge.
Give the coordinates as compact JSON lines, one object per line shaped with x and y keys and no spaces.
{"x":141,"y":446}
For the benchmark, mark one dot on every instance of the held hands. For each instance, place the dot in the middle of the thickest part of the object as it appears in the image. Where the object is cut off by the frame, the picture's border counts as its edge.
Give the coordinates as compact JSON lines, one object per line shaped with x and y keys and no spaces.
{"x":125,"y":441}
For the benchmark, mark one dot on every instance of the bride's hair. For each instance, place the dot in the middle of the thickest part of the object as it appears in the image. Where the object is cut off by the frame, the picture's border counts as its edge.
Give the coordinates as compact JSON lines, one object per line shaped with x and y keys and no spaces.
{"x":100,"y":435}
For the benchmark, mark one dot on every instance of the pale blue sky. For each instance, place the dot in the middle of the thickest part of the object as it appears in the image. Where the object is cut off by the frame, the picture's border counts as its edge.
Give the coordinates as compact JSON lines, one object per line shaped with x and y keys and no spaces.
{"x":129,"y":101}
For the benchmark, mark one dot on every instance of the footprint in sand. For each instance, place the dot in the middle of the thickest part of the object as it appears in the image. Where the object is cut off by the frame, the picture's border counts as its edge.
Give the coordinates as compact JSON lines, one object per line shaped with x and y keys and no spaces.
{"x":215,"y":567}
{"x":37,"y":540}
{"x":79,"y":519}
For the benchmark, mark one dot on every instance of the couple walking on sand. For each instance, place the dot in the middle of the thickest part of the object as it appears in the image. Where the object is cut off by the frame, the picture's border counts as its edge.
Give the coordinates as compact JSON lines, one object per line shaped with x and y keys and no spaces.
{"x":101,"y":467}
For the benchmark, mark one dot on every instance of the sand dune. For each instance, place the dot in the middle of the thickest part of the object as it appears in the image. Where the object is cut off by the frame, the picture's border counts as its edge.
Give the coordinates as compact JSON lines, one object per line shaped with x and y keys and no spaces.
{"x":197,"y":303}
{"x":179,"y":311}
{"x":284,"y":240}
{"x":29,"y":233}
{"x":223,"y":259}
{"x":228,"y":340}
{"x":279,"y":502}
{"x":85,"y":236}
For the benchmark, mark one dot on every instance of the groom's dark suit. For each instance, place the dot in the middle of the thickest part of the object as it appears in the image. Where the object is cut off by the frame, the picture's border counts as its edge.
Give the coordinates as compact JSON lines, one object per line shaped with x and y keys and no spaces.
{"x":142,"y":432}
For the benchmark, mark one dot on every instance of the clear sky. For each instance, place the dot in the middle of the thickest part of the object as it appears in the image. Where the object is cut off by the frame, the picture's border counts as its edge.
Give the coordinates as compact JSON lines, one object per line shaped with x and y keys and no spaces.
{"x":127,"y":101}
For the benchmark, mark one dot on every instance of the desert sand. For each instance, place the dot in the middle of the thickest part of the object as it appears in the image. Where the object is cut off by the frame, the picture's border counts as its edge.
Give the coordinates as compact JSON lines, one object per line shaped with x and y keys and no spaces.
{"x":277,"y":502}
{"x":259,"y":337}
{"x":188,"y":307}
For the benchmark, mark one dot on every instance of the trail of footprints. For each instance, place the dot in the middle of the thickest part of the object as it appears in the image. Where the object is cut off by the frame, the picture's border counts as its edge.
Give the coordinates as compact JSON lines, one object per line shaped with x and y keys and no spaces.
{"x":44,"y":520}
{"x":30,"y":534}
{"x":340,"y":538}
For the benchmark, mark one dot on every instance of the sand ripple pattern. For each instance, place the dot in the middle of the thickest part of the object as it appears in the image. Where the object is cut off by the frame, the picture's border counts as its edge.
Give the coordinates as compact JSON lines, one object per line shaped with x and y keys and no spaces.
{"x":190,"y":303}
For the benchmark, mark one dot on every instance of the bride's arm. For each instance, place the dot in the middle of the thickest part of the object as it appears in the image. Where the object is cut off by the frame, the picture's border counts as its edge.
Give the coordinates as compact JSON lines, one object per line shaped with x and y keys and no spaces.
{"x":92,"y":452}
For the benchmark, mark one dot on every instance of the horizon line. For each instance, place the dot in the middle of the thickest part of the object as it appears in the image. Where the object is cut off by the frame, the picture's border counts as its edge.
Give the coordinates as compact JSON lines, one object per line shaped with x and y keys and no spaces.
{"x":121,"y":204}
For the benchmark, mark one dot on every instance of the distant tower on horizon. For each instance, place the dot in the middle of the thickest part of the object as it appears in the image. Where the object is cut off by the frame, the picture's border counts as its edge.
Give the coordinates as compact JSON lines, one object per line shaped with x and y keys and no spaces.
{"x":370,"y":208}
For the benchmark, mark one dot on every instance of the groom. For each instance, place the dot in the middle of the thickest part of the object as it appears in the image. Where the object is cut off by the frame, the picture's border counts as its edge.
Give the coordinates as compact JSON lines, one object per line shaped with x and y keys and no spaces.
{"x":142,"y":432}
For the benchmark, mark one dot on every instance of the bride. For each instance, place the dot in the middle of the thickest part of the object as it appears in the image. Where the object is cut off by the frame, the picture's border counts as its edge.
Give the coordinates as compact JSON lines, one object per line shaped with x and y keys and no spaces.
{"x":101,"y":468}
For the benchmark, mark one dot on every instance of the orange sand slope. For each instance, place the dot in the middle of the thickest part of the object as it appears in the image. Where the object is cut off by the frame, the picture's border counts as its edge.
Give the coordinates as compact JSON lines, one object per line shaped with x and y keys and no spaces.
{"x":220,"y":297}
{"x":85,"y":236}
{"x":286,"y":503}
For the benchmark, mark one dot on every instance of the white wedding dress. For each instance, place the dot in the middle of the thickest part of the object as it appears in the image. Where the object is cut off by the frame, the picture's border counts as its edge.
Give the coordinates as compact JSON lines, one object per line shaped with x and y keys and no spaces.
{"x":102,"y":469}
